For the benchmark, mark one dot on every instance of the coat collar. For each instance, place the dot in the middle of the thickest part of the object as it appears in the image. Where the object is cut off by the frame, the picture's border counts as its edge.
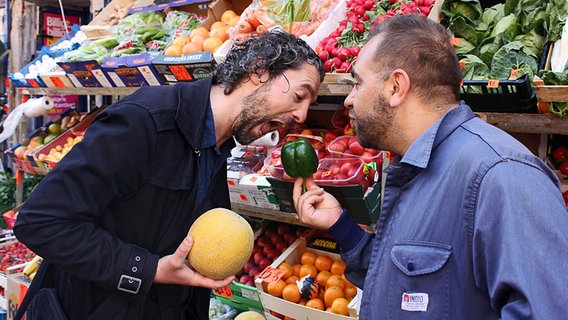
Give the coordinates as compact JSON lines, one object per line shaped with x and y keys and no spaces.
{"x":193,"y":101}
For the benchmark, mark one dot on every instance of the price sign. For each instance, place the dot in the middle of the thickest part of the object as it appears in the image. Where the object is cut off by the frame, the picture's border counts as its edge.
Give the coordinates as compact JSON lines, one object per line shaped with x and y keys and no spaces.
{"x":514,"y":73}
{"x":270,"y":274}
{"x":455,"y":41}
{"x":493,"y":84}
{"x":225,"y":292}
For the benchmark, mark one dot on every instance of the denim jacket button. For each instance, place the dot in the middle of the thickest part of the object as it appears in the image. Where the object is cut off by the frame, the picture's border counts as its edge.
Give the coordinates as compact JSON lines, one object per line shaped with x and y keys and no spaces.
{"x":410,"y":266}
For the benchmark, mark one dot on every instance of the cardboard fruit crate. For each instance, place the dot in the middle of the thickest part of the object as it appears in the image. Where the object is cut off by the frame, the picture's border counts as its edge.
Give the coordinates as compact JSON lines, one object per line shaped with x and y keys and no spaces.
{"x":294,"y":310}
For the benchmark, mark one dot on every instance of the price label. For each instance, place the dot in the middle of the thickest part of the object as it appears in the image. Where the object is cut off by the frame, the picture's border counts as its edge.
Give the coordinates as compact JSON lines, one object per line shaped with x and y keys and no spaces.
{"x":493,"y":84}
{"x":462,"y":64}
{"x":57,"y":82}
{"x":224,"y":292}
{"x":270,"y":274}
{"x":180,"y":72}
{"x":514,"y":73}
{"x":455,"y":41}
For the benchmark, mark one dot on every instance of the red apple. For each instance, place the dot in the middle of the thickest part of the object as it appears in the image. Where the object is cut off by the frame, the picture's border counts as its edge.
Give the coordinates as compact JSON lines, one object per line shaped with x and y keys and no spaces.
{"x":283,"y":229}
{"x":356,"y":148}
{"x":338,"y":146}
{"x":345,"y":168}
{"x":264,"y":263}
{"x":267,"y":249}
{"x":249,"y":265}
{"x":282,"y":246}
{"x":257,"y":257}
{"x":254,"y":272}
{"x":276,"y":238}
{"x":245,"y":278}
{"x":263,"y":241}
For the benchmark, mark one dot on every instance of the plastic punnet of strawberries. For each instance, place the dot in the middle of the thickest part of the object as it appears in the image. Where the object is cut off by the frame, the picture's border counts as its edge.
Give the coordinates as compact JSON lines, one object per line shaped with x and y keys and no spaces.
{"x":340,"y":49}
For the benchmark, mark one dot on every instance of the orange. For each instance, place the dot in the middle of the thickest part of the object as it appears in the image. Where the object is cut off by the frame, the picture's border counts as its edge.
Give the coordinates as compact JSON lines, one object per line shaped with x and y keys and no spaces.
{"x":190,"y":47}
{"x":198,"y":40}
{"x":302,"y":301}
{"x":347,"y":282}
{"x":339,"y":306}
{"x":217,"y":24}
{"x":228,"y":15}
{"x":308,"y":257}
{"x":288,"y":268}
{"x":173,"y":50}
{"x":338,"y":267}
{"x":331,"y":294}
{"x":234,"y":21}
{"x":275,"y":288}
{"x":323,"y":263}
{"x":350,"y":292}
{"x":199,"y":31}
{"x":212,"y":43}
{"x":315,"y":303}
{"x":276,"y":314}
{"x":297,"y":269}
{"x":220,"y":33}
{"x":291,"y":293}
{"x":308,"y":269}
{"x":322,"y":277}
{"x":335,"y":280}
{"x":292,"y":279}
{"x":181,"y":40}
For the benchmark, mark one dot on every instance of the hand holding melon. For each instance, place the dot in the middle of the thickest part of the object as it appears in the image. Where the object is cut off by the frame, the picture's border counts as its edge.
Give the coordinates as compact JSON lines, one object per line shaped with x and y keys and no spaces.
{"x":223,"y":243}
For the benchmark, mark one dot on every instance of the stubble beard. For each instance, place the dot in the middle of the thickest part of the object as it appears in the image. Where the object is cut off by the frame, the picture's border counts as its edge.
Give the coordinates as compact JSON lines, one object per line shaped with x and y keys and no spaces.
{"x":253,"y":114}
{"x":374,"y":128}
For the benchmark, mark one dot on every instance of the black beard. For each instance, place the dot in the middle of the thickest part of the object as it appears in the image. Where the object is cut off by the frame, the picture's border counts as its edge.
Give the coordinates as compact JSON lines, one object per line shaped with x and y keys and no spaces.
{"x":373,"y":128}
{"x":255,"y":106}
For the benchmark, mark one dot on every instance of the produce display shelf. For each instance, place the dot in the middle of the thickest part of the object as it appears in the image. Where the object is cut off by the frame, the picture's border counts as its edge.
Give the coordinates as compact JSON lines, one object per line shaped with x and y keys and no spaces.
{"x":526,"y":122}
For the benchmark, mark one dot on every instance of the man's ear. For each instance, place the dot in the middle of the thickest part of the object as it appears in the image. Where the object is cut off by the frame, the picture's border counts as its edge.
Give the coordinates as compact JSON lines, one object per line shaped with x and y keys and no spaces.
{"x":259,"y":77}
{"x":400,"y":82}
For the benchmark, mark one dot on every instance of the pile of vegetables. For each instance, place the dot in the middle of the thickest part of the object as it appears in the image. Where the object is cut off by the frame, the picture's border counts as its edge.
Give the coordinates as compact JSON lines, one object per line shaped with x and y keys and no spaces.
{"x":556,"y":78}
{"x":506,"y":40}
{"x":142,"y":32}
{"x":339,"y":50}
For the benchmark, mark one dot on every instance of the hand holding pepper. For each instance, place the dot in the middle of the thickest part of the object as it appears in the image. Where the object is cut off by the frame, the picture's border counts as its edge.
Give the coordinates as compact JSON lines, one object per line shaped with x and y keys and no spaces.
{"x":299,"y":159}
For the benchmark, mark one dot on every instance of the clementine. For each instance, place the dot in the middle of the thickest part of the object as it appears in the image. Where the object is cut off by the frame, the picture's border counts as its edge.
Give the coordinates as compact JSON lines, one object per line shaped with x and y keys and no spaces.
{"x":323,"y":263}
{"x":288,"y":268}
{"x":308,"y":269}
{"x":291,"y":293}
{"x":212,"y":43}
{"x":292,"y":279}
{"x":297,"y":267}
{"x":335,"y":280}
{"x":228,"y":15}
{"x":276,"y":288}
{"x":350,"y":292}
{"x":315,"y":303}
{"x":331,"y":294}
{"x":322,"y":277}
{"x":308,"y":257}
{"x":339,"y":306}
{"x":338,"y":267}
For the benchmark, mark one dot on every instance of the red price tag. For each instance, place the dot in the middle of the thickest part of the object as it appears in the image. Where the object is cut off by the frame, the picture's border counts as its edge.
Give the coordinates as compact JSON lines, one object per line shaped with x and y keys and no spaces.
{"x":270,"y":274}
{"x":514,"y":73}
{"x":455,"y":41}
{"x":180,"y":73}
{"x":462,"y":64}
{"x":224,"y":292}
{"x":57,"y":82}
{"x":493,"y":84}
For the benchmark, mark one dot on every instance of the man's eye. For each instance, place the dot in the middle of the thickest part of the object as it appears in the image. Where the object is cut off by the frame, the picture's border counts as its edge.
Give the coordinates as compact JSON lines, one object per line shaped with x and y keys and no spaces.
{"x":298,"y":98}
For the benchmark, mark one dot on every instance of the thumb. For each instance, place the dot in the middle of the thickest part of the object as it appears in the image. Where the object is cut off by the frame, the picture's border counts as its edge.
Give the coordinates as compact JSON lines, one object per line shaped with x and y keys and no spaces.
{"x":183,"y":250}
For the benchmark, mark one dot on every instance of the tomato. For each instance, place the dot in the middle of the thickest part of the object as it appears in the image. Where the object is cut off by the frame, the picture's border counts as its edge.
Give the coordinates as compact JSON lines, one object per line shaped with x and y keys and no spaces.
{"x":563,"y":168}
{"x":565,"y":196}
{"x":560,"y":153}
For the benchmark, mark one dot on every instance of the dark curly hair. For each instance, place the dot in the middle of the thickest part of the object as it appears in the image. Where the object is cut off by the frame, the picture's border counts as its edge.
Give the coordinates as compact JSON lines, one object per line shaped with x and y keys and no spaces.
{"x":275,"y":51}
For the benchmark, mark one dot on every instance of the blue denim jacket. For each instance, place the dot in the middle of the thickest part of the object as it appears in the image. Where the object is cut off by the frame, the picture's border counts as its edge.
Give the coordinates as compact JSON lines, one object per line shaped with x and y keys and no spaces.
{"x":473,"y":226}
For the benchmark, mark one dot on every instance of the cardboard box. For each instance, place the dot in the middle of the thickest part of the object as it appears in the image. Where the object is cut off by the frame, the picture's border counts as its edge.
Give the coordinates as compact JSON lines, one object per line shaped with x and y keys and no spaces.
{"x":254,"y":190}
{"x":87,"y":74}
{"x":187,"y":67}
{"x":240,"y":297}
{"x":16,"y":289}
{"x":131,"y":71}
{"x":293,"y":310}
{"x":98,"y":27}
{"x":56,"y":80}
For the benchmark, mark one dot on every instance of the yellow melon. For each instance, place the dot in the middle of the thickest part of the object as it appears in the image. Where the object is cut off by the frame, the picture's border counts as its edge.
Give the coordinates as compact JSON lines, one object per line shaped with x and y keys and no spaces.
{"x":223,"y":242}
{"x":250,"y":315}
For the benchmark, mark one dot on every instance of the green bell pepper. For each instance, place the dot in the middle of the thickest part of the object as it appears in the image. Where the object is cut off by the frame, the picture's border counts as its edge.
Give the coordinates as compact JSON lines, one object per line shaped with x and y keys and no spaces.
{"x":299,"y":159}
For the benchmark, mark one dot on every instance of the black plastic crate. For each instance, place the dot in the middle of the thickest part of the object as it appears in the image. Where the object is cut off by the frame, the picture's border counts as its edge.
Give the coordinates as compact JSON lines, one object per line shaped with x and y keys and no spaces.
{"x":510,"y":96}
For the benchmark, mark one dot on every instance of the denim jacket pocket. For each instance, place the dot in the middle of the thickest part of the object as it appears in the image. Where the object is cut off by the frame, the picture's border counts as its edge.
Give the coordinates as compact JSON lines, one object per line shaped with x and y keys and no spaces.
{"x":419,"y":258}
{"x":420,"y":269}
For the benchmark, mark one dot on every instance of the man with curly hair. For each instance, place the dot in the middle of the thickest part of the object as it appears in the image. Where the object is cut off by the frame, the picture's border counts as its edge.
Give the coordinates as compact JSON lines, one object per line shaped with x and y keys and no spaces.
{"x":111,"y":219}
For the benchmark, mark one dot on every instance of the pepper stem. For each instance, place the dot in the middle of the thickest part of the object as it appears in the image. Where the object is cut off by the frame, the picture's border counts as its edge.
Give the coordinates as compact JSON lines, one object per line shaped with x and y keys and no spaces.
{"x":304,"y":188}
